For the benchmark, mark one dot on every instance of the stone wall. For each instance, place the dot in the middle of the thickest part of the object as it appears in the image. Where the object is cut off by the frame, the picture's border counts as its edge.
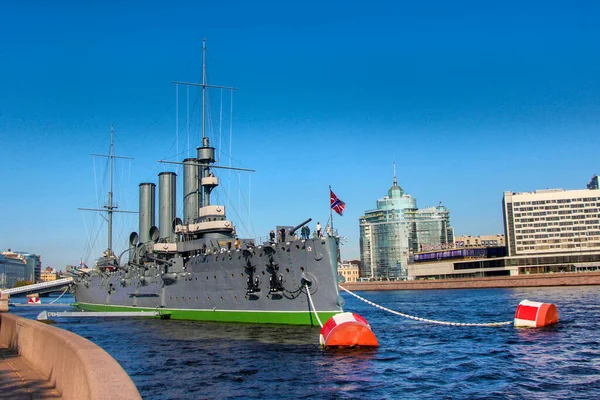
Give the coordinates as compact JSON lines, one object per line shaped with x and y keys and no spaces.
{"x":534,"y":280}
{"x":78,"y":368}
{"x":3,"y":302}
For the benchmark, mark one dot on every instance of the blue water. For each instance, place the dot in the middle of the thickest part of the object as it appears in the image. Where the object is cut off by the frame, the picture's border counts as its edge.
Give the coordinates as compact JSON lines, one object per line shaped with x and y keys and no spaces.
{"x":195,"y":360}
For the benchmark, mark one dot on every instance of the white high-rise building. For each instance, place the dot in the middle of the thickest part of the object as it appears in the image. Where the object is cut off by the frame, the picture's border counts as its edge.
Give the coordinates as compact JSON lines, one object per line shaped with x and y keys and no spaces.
{"x":552,"y":221}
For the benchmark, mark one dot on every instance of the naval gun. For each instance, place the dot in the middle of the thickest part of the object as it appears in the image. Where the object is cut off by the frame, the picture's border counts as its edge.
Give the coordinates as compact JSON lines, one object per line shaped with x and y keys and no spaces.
{"x":294,"y":229}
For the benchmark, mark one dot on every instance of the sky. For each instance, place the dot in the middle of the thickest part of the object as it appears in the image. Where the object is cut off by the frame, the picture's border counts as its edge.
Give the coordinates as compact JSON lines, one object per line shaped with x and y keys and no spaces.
{"x":468,"y":99}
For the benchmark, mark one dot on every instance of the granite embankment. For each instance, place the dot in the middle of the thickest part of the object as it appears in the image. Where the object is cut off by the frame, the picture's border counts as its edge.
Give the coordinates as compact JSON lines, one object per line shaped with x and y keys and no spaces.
{"x":74,"y":366}
{"x":534,"y":280}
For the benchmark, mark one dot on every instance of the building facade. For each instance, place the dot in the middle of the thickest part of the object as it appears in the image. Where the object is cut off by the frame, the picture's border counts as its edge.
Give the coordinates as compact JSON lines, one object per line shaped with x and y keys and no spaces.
{"x":552,"y":221}
{"x":19,"y":266}
{"x":349,"y":271}
{"x":11,"y":271}
{"x":48,"y":275}
{"x":395,"y":230}
{"x":546,"y":231}
{"x":481,"y":240}
{"x":594,"y":184}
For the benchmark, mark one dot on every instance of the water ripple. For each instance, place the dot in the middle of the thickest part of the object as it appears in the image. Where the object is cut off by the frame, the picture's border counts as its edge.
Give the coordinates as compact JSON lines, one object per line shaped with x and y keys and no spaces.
{"x":195,"y":360}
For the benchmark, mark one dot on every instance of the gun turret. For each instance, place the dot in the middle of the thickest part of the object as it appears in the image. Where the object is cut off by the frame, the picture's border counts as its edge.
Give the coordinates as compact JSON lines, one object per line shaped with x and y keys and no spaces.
{"x":294,"y":229}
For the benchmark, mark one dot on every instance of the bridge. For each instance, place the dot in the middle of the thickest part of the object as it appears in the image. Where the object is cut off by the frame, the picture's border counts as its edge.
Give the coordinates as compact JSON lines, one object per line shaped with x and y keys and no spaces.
{"x":41,"y":288}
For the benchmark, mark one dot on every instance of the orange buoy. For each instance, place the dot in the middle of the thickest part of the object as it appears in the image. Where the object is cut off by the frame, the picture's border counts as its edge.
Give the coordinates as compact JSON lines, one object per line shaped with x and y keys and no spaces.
{"x":347,"y":330}
{"x":531,"y":314}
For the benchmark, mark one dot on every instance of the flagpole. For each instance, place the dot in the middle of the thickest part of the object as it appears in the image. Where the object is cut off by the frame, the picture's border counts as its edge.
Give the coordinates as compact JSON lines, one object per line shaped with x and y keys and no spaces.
{"x":330,"y":212}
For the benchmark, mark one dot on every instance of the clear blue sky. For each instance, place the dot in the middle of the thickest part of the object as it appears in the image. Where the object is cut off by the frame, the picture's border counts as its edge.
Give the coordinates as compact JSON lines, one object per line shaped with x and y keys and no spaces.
{"x":468,"y":98}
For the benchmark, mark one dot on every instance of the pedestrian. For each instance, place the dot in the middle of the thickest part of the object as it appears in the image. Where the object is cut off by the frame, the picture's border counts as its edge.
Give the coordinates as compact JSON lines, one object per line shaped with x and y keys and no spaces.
{"x":307,"y":232}
{"x":282,"y":231}
{"x":272,"y":236}
{"x":318,"y":229}
{"x":328,"y":230}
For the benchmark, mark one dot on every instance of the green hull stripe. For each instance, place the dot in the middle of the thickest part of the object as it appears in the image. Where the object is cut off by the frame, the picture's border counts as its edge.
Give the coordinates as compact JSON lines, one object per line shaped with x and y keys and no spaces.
{"x":246,"y":316}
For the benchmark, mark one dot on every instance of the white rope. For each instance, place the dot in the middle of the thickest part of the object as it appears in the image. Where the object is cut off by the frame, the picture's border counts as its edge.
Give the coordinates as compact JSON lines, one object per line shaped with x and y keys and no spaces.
{"x":424,"y":319}
{"x":312,"y":305}
{"x":55,"y":300}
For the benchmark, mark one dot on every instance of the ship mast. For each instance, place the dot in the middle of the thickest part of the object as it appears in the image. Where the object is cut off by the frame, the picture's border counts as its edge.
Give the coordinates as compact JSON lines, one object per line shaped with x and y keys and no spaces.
{"x":110,"y":208}
{"x":206,"y":153}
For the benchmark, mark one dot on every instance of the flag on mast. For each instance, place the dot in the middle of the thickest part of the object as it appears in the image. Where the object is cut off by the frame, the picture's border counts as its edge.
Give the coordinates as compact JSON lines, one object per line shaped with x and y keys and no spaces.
{"x":336,"y":204}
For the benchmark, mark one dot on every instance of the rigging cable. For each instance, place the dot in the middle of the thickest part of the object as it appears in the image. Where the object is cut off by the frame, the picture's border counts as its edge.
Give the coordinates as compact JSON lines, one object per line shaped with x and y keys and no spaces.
{"x":312,"y":305}
{"x":55,"y":300}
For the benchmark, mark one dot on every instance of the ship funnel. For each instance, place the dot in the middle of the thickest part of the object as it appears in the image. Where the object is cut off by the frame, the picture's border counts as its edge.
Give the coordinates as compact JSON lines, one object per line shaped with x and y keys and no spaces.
{"x":190,"y":190}
{"x":147,"y":210}
{"x":133,"y":241}
{"x":166,"y":205}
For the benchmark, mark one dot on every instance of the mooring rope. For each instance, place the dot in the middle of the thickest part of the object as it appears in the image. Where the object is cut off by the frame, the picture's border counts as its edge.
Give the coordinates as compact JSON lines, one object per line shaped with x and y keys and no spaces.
{"x":61,"y":295}
{"x":313,"y":306}
{"x":432,"y":321}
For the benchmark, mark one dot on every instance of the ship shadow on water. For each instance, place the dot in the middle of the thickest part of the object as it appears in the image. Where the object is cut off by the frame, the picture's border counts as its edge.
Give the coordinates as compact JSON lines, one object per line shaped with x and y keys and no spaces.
{"x":224,"y":331}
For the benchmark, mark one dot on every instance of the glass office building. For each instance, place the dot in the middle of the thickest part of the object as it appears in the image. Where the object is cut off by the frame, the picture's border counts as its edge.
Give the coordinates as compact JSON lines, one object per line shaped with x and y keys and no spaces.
{"x":11,"y":271}
{"x":392,"y":233}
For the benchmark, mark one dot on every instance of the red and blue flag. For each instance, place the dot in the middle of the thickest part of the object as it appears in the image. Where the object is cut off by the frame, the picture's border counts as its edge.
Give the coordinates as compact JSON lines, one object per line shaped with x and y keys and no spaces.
{"x":336,"y":204}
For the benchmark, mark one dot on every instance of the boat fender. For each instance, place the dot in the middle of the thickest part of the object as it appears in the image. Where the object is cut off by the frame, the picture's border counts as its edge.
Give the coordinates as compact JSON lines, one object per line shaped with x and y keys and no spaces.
{"x":347,"y":330}
{"x":531,"y":314}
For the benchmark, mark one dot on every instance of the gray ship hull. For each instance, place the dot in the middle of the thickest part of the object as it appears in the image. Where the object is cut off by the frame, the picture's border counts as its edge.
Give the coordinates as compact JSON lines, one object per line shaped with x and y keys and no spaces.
{"x":262,"y":284}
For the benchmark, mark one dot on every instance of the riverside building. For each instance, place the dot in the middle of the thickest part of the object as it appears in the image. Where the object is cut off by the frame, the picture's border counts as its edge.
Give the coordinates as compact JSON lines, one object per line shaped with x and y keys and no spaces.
{"x":481,"y":240}
{"x":552,"y":221}
{"x":546,"y":231}
{"x":392,"y":232}
{"x":12,"y":269}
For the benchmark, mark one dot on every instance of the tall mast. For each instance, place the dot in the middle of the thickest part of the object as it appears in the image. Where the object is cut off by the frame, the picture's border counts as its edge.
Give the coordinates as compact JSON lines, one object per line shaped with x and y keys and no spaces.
{"x":330,"y":212}
{"x":206,"y":153}
{"x":203,"y":88}
{"x":109,"y":207}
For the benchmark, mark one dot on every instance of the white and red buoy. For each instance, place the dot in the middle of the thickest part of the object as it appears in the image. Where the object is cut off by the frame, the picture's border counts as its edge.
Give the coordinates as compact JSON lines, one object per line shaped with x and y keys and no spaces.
{"x":347,"y":330}
{"x":531,"y":314}
{"x":34,"y":300}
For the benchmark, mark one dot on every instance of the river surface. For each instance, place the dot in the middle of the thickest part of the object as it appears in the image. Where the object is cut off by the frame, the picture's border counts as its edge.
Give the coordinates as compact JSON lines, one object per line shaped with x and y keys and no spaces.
{"x":195,"y":360}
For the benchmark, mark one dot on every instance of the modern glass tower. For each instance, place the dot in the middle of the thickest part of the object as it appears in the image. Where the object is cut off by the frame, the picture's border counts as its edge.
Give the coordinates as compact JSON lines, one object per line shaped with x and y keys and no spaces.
{"x":390,"y":234}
